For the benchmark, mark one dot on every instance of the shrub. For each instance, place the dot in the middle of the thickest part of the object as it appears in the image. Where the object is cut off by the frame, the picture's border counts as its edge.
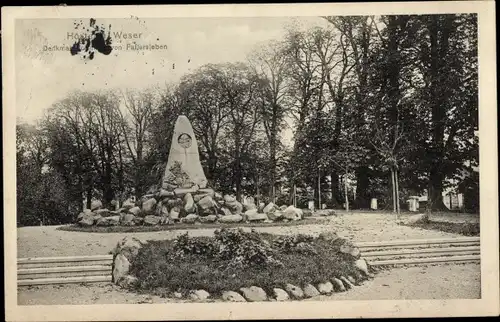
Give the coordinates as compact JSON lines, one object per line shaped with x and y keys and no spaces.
{"x":233,"y":259}
{"x":296,"y":243}
{"x":243,"y":248}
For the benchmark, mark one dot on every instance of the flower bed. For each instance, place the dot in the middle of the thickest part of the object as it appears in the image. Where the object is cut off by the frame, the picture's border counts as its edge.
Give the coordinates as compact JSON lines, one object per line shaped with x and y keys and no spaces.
{"x":234,"y":260}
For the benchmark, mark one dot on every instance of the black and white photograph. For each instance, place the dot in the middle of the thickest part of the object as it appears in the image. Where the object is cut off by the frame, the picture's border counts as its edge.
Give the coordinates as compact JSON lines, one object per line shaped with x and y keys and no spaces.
{"x":320,"y":159}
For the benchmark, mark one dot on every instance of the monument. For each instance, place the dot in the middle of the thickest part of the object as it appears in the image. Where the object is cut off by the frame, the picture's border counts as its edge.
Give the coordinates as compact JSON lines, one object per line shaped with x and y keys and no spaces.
{"x":183,"y":166}
{"x":184,"y":196}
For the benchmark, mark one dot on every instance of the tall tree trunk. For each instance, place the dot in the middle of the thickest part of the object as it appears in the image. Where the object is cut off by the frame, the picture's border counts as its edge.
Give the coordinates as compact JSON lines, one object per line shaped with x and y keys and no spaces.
{"x":393,"y":179}
{"x":363,"y":183}
{"x":334,"y":186}
{"x":396,"y":179}
{"x":438,"y":101}
{"x":89,"y":196}
{"x":346,"y":193}
{"x":272,"y":163}
{"x":319,"y":190}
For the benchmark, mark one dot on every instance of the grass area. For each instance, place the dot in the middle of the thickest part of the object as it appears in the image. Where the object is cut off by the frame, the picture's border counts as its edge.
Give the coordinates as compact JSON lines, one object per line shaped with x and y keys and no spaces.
{"x":233,"y":259}
{"x":180,"y":226}
{"x":466,"y":229}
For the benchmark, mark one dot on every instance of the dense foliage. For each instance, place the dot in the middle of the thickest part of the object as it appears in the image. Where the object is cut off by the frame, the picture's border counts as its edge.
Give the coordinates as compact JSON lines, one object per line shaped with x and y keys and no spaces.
{"x":380,"y":106}
{"x":233,"y":259}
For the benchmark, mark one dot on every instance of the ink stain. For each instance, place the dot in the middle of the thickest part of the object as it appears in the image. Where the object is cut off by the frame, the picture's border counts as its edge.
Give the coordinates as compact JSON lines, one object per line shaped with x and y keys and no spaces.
{"x":92,"y":39}
{"x":173,"y":66}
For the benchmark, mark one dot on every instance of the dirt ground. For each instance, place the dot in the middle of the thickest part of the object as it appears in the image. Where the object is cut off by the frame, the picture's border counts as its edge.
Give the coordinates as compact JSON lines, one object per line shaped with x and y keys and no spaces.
{"x":457,"y":281}
{"x":47,"y":241}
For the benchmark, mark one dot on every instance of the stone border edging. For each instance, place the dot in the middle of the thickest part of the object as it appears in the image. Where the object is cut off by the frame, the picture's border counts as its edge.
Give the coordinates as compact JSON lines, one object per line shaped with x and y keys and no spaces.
{"x":129,"y":247}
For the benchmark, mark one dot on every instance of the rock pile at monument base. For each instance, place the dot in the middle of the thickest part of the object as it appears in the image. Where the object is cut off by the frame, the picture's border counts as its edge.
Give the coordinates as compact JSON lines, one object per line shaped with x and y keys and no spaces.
{"x":186,"y":205}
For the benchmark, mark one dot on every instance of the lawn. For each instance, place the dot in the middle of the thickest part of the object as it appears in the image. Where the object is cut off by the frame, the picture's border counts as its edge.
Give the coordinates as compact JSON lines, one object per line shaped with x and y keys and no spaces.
{"x":461,"y":228}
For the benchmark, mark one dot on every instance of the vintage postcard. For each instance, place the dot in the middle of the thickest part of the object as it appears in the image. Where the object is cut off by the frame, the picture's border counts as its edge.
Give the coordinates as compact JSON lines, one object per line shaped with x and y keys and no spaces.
{"x":218,"y":162}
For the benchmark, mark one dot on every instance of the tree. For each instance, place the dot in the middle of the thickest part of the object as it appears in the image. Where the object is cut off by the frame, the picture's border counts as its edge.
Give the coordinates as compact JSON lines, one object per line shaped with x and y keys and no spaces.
{"x":208,"y":109}
{"x":241,"y":88}
{"x":269,"y":64}
{"x":136,"y":122}
{"x":448,"y":56}
{"x":93,"y":121}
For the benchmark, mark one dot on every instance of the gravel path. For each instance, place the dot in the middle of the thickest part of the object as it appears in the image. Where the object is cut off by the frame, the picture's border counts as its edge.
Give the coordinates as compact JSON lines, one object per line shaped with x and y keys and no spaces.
{"x":457,"y":281}
{"x":48,"y":241}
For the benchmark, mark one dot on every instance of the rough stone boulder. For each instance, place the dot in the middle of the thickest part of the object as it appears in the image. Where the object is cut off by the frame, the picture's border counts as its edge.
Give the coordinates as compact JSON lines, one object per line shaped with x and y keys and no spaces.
{"x":121,"y":267}
{"x":208,"y":219}
{"x":280,"y":295}
{"x":224,"y":211}
{"x":165,"y":194}
{"x":128,"y":246}
{"x":296,"y":291}
{"x":271,"y":207}
{"x":177,"y":202}
{"x":206,"y":205}
{"x":275,"y":216}
{"x":338,"y":285}
{"x":232,"y":297}
{"x":139,"y":220}
{"x":80,"y":216}
{"x":135,"y":211}
{"x":292,"y":213}
{"x":253,"y":294}
{"x":362,"y":266}
{"x":104,"y":212}
{"x":164,"y":211}
{"x":234,"y":206}
{"x":124,"y":252}
{"x":189,"y":205}
{"x":152,"y":220}
{"x":325,"y":288}
{"x":95,"y":204}
{"x":86,"y":220}
{"x":127,"y":204}
{"x":148,"y":206}
{"x":127,"y":220}
{"x":199,"y":295}
{"x":347,"y":247}
{"x":189,"y":219}
{"x":310,"y":291}
{"x":174,"y":213}
{"x":231,"y":218}
{"x":253,"y":215}
{"x":108,"y":221}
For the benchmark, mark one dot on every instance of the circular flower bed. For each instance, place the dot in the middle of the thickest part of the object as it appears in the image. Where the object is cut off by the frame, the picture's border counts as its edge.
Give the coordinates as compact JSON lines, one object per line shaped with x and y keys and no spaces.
{"x":257,"y":266}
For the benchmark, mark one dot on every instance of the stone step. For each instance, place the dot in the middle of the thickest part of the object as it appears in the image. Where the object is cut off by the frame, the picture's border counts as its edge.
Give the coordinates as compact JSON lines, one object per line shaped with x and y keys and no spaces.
{"x":65,"y":280}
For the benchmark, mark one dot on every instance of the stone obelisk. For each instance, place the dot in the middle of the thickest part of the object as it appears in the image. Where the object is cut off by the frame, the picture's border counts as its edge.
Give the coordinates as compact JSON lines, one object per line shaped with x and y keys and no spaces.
{"x":184,"y":168}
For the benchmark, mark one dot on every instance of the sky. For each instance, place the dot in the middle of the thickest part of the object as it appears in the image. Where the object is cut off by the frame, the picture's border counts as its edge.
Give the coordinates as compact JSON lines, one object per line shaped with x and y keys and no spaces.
{"x":44,"y":76}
